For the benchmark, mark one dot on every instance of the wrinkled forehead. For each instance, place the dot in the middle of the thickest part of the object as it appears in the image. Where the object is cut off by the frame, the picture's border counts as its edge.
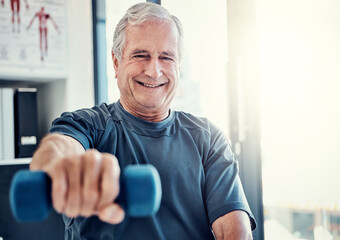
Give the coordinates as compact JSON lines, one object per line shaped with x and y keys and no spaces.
{"x":160,"y":33}
{"x":154,"y":24}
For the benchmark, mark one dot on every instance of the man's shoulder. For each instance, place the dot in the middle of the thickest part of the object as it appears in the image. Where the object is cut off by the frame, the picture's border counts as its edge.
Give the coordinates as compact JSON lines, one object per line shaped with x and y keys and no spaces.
{"x":95,"y":117}
{"x":190,"y":121}
{"x":90,"y":113}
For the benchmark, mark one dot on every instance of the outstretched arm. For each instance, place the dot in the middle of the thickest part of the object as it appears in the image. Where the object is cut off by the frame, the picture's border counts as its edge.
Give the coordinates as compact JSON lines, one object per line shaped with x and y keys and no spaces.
{"x":84,"y":183}
{"x":54,"y":24}
{"x":30,"y":24}
{"x":234,"y":225}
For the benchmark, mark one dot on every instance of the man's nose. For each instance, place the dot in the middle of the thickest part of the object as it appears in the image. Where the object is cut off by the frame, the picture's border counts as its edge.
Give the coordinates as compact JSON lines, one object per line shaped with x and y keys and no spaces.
{"x":153,"y":69}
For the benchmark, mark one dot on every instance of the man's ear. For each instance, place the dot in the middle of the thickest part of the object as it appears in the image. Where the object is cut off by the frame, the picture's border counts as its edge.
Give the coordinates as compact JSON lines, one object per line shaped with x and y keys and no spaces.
{"x":115,"y":62}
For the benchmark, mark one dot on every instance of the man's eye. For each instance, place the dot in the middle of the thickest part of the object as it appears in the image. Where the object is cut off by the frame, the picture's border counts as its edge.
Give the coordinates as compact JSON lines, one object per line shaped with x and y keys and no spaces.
{"x":167,"y":58}
{"x":141,"y":56}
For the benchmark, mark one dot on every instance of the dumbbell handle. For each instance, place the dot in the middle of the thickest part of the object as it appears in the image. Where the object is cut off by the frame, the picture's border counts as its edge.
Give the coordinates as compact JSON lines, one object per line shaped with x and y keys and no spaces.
{"x":140,"y":193}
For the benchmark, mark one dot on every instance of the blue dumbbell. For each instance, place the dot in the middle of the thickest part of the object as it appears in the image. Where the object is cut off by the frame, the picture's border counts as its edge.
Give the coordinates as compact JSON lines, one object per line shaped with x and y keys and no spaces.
{"x":140,"y":193}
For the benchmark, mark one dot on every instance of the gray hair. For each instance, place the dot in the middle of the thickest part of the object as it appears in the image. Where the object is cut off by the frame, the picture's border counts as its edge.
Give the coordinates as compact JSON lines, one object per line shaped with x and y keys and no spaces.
{"x":136,"y":15}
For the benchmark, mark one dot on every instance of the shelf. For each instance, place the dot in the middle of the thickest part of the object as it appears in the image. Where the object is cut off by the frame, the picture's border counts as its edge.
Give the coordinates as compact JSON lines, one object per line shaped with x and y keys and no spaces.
{"x":17,"y":161}
{"x":67,"y":91}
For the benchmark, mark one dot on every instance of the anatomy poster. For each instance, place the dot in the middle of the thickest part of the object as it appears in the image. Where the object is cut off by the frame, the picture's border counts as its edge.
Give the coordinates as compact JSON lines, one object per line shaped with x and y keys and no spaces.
{"x":33,"y":39}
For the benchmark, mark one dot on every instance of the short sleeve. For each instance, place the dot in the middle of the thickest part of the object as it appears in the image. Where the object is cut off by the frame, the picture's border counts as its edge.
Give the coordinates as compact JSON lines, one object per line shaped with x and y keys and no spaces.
{"x":84,"y":125}
{"x":223,"y":188}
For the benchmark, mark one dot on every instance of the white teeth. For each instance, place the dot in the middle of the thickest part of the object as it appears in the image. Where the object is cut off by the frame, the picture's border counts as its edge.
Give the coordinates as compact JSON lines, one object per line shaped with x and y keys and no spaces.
{"x":151,"y":86}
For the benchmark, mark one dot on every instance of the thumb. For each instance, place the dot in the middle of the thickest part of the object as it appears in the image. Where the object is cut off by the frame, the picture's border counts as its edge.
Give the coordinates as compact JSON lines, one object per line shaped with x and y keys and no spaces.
{"x":112,"y":213}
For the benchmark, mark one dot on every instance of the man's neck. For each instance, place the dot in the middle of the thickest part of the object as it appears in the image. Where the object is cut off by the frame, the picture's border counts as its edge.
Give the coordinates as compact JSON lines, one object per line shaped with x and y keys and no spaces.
{"x":149,"y":115}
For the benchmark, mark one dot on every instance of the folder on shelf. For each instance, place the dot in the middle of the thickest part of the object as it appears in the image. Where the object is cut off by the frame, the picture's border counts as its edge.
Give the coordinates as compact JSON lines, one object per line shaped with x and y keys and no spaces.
{"x":7,"y":122}
{"x":26,"y":122}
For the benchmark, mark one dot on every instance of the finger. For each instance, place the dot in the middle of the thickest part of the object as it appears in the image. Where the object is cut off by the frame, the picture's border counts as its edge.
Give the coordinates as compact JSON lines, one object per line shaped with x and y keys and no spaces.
{"x":59,"y":186}
{"x":90,"y":188}
{"x":112,"y":213}
{"x":73,"y":203}
{"x":109,"y":185}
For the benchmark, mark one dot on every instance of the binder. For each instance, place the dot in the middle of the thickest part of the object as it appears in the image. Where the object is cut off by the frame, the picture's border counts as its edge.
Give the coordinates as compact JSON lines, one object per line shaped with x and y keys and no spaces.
{"x":26,"y":122}
{"x":7,"y":102}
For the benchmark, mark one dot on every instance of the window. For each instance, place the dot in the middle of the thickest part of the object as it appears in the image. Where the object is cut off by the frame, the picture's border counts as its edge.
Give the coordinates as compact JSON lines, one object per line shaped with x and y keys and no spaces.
{"x":299,"y":52}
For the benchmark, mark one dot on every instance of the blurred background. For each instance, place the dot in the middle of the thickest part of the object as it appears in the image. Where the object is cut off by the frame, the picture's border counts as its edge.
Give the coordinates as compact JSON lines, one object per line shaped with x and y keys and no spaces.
{"x":266,"y":72}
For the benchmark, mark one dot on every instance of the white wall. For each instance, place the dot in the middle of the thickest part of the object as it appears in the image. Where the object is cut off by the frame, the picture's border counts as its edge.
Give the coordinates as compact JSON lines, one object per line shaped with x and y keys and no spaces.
{"x":77,"y":90}
{"x":79,"y":85}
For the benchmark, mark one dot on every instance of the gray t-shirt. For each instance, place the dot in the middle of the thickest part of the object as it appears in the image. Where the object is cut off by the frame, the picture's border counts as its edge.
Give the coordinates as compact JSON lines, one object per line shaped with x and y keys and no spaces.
{"x":198,"y":171}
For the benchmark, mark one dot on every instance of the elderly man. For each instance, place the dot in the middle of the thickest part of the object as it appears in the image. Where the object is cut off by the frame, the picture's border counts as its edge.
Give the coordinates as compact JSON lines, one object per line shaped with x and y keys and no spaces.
{"x":86,"y":149}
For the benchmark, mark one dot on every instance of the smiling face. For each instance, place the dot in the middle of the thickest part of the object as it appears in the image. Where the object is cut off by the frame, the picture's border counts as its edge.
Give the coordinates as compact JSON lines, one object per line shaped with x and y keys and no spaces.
{"x":148,"y":72}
